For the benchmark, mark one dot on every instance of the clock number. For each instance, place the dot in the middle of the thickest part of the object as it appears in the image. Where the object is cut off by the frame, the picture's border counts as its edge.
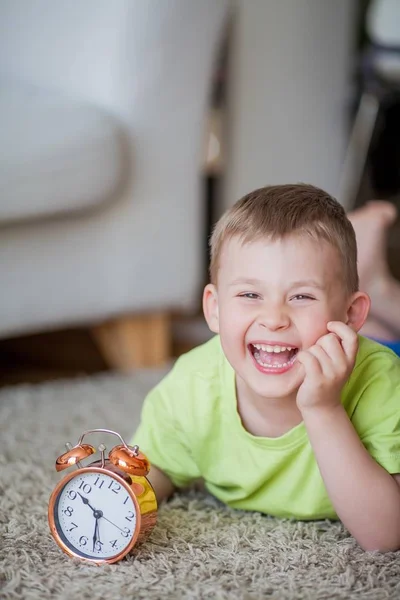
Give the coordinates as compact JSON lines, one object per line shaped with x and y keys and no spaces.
{"x":71,"y":494}
{"x":74,"y":526}
{"x":98,"y":545}
{"x":130,"y":516}
{"x":85,"y":487}
{"x":113,"y":543}
{"x":114,"y":487}
{"x":126,"y":500}
{"x":100,"y":484}
{"x":126,"y":532}
{"x":83,"y":540}
{"x":68,"y":511}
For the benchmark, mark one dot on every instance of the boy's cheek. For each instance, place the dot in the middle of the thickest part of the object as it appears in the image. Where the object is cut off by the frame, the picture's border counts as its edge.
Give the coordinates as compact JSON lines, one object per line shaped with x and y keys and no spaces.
{"x":313,"y":330}
{"x":231,"y":317}
{"x":314,"y":324}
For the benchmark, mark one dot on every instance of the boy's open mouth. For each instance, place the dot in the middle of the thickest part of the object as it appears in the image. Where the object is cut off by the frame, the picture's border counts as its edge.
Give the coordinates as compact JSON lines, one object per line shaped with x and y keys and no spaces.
{"x":274,"y":356}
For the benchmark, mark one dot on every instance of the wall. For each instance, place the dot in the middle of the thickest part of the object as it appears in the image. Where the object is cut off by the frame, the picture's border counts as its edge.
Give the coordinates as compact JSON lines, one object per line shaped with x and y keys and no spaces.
{"x":288,"y":83}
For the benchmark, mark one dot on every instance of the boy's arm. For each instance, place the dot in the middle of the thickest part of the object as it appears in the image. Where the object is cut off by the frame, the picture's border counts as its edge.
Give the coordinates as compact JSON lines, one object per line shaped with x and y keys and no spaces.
{"x":365,"y":496}
{"x":162,"y":436}
{"x":162,"y":485}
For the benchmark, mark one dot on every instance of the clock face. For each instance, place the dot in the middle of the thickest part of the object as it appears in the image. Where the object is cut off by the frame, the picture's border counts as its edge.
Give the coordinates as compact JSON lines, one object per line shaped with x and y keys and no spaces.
{"x":95,"y":515}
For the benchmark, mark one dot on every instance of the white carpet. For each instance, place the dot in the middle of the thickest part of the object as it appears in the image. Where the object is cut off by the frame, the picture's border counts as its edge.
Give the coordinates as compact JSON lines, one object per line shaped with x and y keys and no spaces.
{"x":199,"y":548}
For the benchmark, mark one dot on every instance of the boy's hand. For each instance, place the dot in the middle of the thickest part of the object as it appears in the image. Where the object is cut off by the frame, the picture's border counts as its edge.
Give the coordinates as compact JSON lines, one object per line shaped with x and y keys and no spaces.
{"x":327,"y":366}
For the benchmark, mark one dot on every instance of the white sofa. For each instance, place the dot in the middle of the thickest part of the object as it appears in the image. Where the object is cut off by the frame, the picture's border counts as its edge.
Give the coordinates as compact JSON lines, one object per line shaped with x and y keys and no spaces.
{"x":102,"y":111}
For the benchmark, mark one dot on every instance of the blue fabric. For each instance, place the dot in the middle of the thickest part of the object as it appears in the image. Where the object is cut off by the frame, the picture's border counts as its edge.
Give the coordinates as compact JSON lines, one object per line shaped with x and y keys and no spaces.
{"x":393,"y":345}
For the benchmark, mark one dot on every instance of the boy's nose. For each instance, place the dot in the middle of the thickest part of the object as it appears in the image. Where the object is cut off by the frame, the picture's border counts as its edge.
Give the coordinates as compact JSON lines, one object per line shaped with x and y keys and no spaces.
{"x":274,"y":318}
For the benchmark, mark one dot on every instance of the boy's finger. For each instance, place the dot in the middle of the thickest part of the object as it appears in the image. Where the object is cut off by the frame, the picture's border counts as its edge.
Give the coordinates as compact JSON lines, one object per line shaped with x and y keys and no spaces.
{"x":324,"y":359}
{"x":310,"y":362}
{"x":348,"y":337}
{"x":331,"y":343}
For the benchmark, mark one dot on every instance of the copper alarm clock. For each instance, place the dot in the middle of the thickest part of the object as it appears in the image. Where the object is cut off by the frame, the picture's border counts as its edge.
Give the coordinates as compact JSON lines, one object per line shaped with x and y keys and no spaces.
{"x":100,"y":511}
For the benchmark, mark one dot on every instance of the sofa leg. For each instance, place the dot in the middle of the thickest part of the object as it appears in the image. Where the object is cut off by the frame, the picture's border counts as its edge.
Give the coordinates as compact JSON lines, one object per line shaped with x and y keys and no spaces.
{"x":130,"y":342}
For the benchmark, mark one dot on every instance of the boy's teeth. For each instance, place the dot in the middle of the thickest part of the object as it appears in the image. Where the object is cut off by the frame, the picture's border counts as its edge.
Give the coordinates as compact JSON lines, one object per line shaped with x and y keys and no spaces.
{"x":267,"y":348}
{"x":274,"y":356}
{"x":275,"y":364}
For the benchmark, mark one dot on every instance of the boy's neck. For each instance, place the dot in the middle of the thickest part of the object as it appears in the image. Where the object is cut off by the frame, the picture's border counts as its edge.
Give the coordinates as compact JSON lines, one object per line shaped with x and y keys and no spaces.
{"x":266,"y":417}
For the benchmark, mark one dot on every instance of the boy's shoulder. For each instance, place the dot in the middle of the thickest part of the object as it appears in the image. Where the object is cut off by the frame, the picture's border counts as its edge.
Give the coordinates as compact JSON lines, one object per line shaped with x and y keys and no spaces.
{"x":374,"y":353}
{"x":202,"y":373}
{"x":203,"y":357}
{"x":377,"y":367}
{"x":202,"y":361}
{"x":371,"y":398}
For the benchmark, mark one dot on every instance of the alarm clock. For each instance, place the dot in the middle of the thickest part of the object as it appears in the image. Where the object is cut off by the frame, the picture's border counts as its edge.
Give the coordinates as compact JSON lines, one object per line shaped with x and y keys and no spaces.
{"x":99,"y":512}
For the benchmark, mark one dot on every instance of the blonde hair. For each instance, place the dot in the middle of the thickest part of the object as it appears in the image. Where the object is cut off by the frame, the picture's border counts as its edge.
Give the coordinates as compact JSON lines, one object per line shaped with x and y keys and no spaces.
{"x":279,"y":210}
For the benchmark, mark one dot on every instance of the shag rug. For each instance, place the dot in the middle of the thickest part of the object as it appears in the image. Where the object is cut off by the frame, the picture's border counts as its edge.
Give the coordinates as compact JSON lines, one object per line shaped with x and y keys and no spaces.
{"x":198,"y":549}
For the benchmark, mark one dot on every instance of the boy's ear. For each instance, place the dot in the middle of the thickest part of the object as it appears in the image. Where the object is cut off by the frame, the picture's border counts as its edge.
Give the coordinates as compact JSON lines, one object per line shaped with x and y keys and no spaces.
{"x":358,"y":310}
{"x":210,"y":307}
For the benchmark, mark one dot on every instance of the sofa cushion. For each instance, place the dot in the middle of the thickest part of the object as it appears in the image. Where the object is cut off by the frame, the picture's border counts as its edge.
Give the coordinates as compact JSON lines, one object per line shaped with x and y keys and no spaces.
{"x":57,"y":154}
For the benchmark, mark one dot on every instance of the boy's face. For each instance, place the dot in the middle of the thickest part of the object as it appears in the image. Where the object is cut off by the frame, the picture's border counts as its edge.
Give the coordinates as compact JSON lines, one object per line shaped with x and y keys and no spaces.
{"x":272,"y":299}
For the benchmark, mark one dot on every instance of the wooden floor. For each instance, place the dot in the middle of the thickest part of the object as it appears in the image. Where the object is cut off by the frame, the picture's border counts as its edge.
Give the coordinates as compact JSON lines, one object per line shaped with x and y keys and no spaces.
{"x":72,"y":352}
{"x":47,"y":356}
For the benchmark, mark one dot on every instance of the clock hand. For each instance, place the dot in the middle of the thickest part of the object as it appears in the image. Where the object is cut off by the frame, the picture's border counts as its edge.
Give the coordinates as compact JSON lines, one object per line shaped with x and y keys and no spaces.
{"x":95,"y":534}
{"x":98,"y":531}
{"x":98,"y":513}
{"x":86,"y":501}
{"x":113,"y":524}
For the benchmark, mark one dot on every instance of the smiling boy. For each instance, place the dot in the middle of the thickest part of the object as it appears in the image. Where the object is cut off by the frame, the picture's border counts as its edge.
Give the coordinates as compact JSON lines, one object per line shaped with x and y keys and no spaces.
{"x":286,"y":411}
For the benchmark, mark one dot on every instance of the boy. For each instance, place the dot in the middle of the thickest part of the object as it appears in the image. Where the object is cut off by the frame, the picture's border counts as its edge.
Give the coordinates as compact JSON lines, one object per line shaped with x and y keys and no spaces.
{"x":287,"y":411}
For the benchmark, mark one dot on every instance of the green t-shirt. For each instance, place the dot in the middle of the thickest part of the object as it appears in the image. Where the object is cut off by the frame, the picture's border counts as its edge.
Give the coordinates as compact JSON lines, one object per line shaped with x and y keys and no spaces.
{"x":191,"y":429}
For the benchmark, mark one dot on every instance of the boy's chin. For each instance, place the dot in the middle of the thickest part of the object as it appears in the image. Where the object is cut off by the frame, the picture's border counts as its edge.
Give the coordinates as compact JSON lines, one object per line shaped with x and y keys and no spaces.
{"x":276,"y":387}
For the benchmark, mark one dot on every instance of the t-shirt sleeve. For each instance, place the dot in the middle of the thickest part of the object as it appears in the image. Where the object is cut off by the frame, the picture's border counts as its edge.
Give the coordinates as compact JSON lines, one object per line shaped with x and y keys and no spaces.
{"x":161,"y":434}
{"x":377,"y":414}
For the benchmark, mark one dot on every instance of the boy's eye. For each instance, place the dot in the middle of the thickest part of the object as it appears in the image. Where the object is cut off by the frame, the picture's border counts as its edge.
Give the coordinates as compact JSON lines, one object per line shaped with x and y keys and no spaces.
{"x":250,"y":295}
{"x":302,"y":297}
